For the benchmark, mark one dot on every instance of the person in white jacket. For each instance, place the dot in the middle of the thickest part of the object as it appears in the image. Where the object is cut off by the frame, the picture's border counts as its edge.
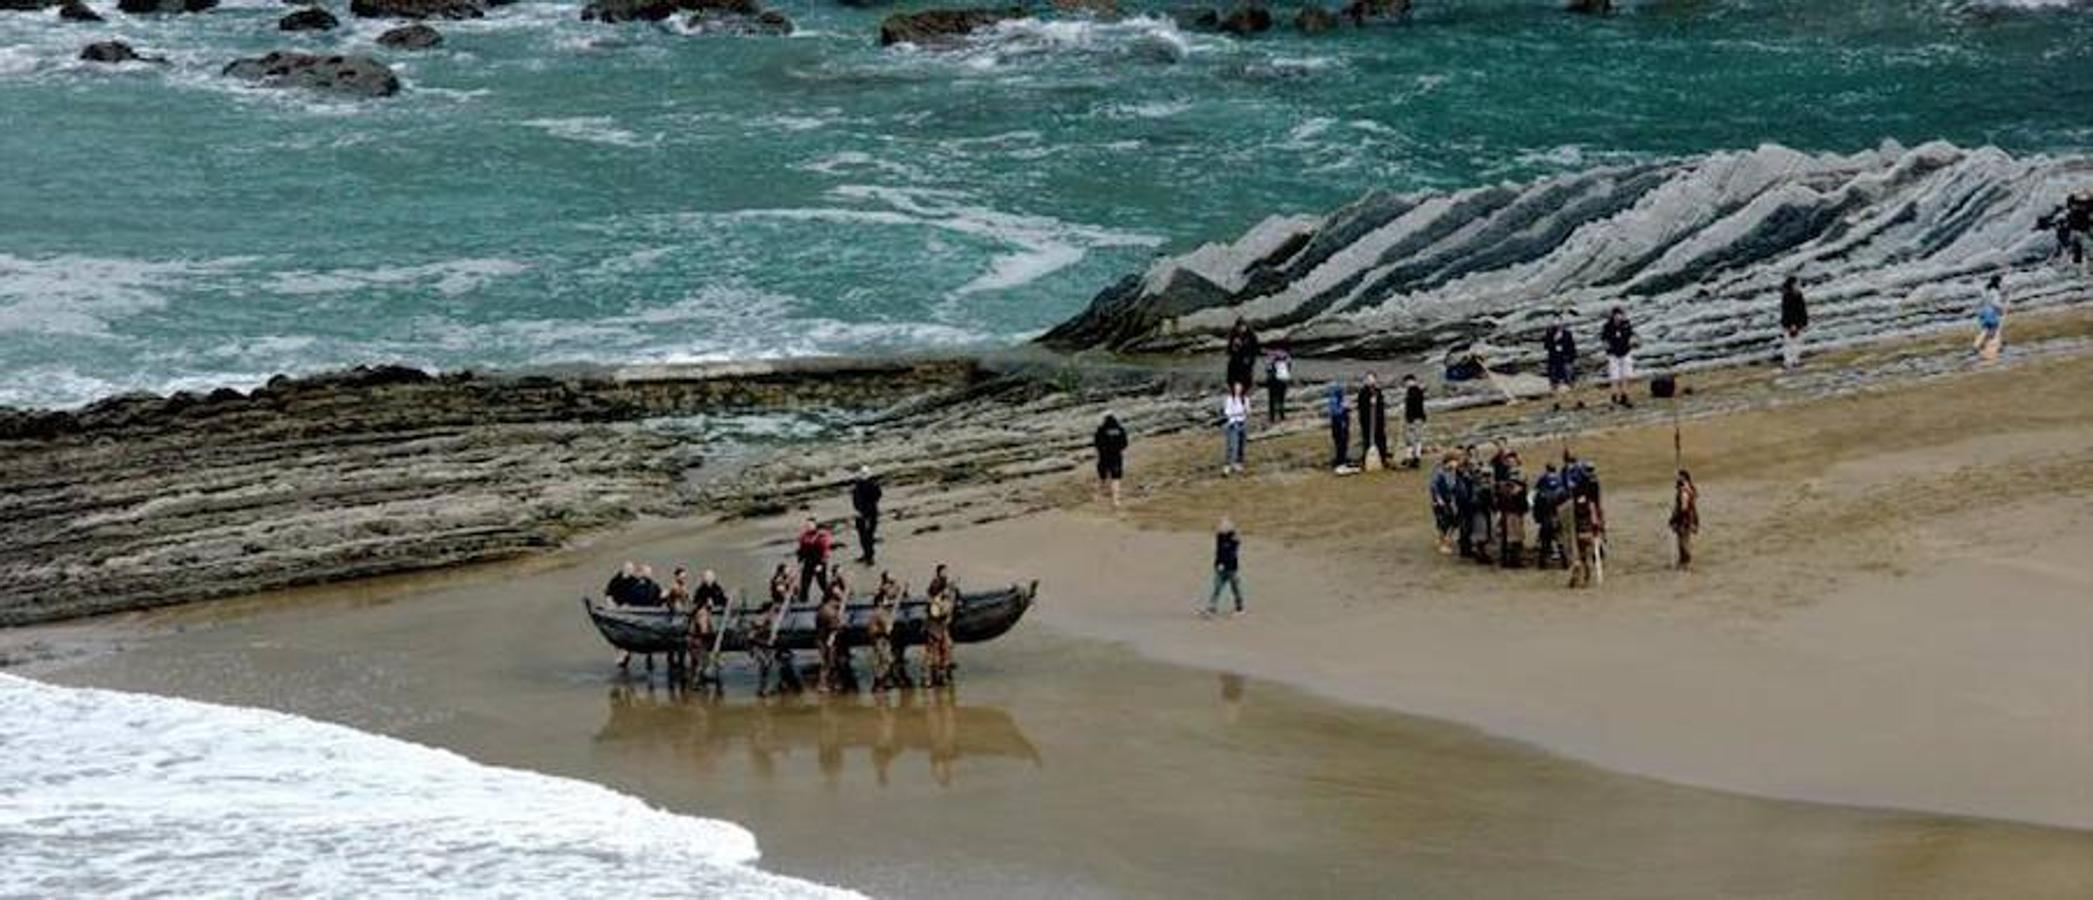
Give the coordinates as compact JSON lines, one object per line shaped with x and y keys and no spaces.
{"x":1235,"y":424}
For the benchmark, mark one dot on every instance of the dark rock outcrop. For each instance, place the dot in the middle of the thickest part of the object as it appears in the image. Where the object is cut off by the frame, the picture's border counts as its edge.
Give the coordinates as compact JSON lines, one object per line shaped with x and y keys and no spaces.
{"x":359,"y":76}
{"x":115,"y":52}
{"x":933,"y":27}
{"x":614,"y":11}
{"x":1360,"y":10}
{"x":25,"y":5}
{"x":411,"y":37}
{"x":311,"y":18}
{"x":76,"y":11}
{"x":769,"y":22}
{"x":1315,"y":20}
{"x":418,"y":9}
{"x":1589,"y":7}
{"x":1196,"y":18}
{"x":144,"y":7}
{"x":1247,"y":19}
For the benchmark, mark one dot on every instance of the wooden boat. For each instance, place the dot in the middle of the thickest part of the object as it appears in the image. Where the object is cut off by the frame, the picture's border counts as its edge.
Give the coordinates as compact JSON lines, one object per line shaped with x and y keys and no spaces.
{"x":977,"y":617}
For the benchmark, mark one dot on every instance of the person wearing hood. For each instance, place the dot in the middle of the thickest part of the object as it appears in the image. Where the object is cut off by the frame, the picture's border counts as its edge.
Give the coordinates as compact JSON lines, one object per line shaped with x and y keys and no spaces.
{"x":1110,"y":442}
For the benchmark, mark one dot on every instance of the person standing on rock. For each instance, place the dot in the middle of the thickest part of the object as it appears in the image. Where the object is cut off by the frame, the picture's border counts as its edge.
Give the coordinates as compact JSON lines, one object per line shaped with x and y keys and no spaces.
{"x":1228,"y":564}
{"x":1413,"y":422}
{"x":1560,"y":344}
{"x":1373,"y":421}
{"x":1110,"y":442}
{"x":864,"y":498}
{"x":1619,"y":337}
{"x":1991,"y":320}
{"x":1243,"y":352}
{"x":1795,"y":319}
{"x":1279,"y":373}
{"x":813,"y":551}
{"x":1340,"y":426}
{"x":1235,"y":429}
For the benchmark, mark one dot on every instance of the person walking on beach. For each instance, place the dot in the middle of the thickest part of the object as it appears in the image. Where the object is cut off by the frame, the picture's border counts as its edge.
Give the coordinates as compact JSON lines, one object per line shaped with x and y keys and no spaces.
{"x":1235,"y":429}
{"x":864,"y":499}
{"x":1228,"y":563}
{"x":1619,"y":337}
{"x":813,"y":551}
{"x":1795,"y":319}
{"x":1991,"y":320}
{"x":1110,"y":442}
{"x":1279,"y":373}
{"x":1373,"y":422}
{"x":1340,"y":426}
{"x":1413,"y":422}
{"x":1685,"y":516}
{"x":1243,"y":352}
{"x":1445,"y":486}
{"x":1560,"y":344}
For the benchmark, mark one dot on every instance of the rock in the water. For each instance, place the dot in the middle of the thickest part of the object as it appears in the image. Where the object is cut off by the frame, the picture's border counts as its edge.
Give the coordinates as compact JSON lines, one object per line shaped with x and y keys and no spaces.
{"x":114,"y":52}
{"x":1102,"y":9}
{"x":411,"y":37}
{"x":766,"y":23}
{"x":1247,"y":19}
{"x":1360,"y":10}
{"x":311,"y":18}
{"x":76,"y":11}
{"x":142,"y":7}
{"x":629,"y":10}
{"x":356,"y":75}
{"x":941,"y":26}
{"x":1315,"y":20}
{"x":418,"y":9}
{"x":1885,"y":242}
{"x":1589,"y":7}
{"x":1197,"y":18}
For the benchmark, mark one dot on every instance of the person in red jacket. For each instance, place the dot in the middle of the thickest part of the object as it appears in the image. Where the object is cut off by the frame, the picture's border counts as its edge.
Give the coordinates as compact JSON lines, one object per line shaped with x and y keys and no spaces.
{"x":815,"y":544}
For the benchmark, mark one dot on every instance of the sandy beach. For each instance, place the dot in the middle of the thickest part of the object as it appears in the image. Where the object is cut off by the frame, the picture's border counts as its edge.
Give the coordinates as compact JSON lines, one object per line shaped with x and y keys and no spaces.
{"x":1877,"y":683}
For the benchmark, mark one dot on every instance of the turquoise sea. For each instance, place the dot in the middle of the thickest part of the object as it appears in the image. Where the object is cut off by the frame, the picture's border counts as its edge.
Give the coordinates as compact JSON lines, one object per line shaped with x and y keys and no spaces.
{"x":551,"y":190}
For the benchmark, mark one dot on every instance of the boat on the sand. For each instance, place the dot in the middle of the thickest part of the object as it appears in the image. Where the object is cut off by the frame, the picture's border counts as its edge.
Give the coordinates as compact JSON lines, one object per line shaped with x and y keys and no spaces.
{"x":977,"y":617}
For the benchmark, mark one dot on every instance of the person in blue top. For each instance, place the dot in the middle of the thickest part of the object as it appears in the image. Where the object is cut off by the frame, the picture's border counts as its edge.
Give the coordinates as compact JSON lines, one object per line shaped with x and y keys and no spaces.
{"x":1446,"y":487}
{"x":1991,"y":320}
{"x":1340,"y":425}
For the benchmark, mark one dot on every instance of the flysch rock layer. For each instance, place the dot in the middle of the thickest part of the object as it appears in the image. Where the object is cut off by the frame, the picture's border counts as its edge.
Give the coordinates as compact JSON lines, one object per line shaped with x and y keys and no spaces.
{"x":1887,"y":241}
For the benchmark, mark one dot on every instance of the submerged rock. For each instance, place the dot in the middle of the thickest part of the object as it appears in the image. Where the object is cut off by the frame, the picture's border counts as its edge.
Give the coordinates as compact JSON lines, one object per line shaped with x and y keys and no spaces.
{"x":1247,"y":19}
{"x":418,"y":9}
{"x":115,"y":52}
{"x":411,"y":37}
{"x":76,"y":11}
{"x":311,"y":18}
{"x":1360,"y":10}
{"x":932,"y":27}
{"x":766,"y":23}
{"x":1315,"y":20}
{"x":356,"y":75}
{"x":143,"y":7}
{"x":1589,"y":7}
{"x":629,"y":10}
{"x":1884,"y":241}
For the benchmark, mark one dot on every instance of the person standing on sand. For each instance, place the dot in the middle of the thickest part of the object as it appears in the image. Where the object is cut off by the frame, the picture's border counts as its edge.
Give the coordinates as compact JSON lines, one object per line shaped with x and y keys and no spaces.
{"x":813,"y":551}
{"x":828,"y":636}
{"x":1413,"y":422}
{"x":1685,"y":516}
{"x":1464,"y":502}
{"x":1340,"y":426}
{"x":1587,"y":526}
{"x":1228,"y":563}
{"x":1547,"y":513}
{"x":1560,"y":344}
{"x":1235,"y":429}
{"x":942,"y":605}
{"x":864,"y":499}
{"x":1619,"y":337}
{"x":1991,"y":320}
{"x":1795,"y":319}
{"x":1512,"y":508}
{"x":1110,"y":442}
{"x":1279,"y":373}
{"x":1445,"y":509}
{"x":1243,"y":352}
{"x":1373,"y":421}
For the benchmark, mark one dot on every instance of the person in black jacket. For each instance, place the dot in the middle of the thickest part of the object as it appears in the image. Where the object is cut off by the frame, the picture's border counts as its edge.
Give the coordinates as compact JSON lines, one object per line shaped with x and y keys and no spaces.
{"x":1413,"y":422}
{"x":1561,"y":346}
{"x":1110,"y":442}
{"x":864,"y":497}
{"x":1373,"y":420}
{"x":1795,"y":318}
{"x":1228,"y":563}
{"x":1619,"y":337}
{"x":1243,"y":352}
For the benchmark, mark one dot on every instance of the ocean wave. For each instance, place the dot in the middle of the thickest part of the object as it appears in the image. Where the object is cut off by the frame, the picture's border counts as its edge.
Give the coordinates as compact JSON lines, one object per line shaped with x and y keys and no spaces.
{"x":131,"y":795}
{"x":450,"y":278}
{"x":80,"y":296}
{"x":592,"y":130}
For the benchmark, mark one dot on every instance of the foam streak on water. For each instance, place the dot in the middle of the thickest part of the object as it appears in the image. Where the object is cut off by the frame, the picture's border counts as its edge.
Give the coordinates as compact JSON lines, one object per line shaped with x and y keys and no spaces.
{"x":116,"y":794}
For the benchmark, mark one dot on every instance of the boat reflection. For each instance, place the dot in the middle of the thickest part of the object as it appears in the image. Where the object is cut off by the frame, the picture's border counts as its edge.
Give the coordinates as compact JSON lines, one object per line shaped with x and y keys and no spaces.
{"x":711,"y":732}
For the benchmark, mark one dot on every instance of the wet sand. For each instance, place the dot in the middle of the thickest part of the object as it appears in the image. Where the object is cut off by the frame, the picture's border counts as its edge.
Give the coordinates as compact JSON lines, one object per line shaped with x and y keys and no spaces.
{"x":1061,"y":767}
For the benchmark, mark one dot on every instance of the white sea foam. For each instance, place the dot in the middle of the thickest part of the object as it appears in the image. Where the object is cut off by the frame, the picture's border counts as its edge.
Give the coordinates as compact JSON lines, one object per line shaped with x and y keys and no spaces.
{"x":129,"y":795}
{"x":449,"y":278}
{"x":80,"y":295}
{"x":592,"y":130}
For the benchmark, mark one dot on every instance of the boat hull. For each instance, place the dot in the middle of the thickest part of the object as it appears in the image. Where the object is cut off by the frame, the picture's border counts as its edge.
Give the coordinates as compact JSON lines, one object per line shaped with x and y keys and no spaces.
{"x":976,"y":618}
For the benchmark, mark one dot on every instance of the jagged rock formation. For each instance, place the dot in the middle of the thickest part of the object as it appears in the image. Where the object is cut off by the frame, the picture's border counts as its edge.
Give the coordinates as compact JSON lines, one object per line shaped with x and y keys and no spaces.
{"x":411,"y":37}
{"x":1885,"y":241}
{"x":76,"y":11}
{"x":140,"y":501}
{"x":114,"y":52}
{"x":141,"y":7}
{"x":311,"y":18}
{"x":419,"y":9}
{"x":355,"y":75}
{"x":935,"y":27}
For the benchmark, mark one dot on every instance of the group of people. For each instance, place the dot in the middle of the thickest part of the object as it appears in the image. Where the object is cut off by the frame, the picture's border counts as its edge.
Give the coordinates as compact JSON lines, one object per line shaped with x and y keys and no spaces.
{"x":2072,"y":223}
{"x":1481,"y":504}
